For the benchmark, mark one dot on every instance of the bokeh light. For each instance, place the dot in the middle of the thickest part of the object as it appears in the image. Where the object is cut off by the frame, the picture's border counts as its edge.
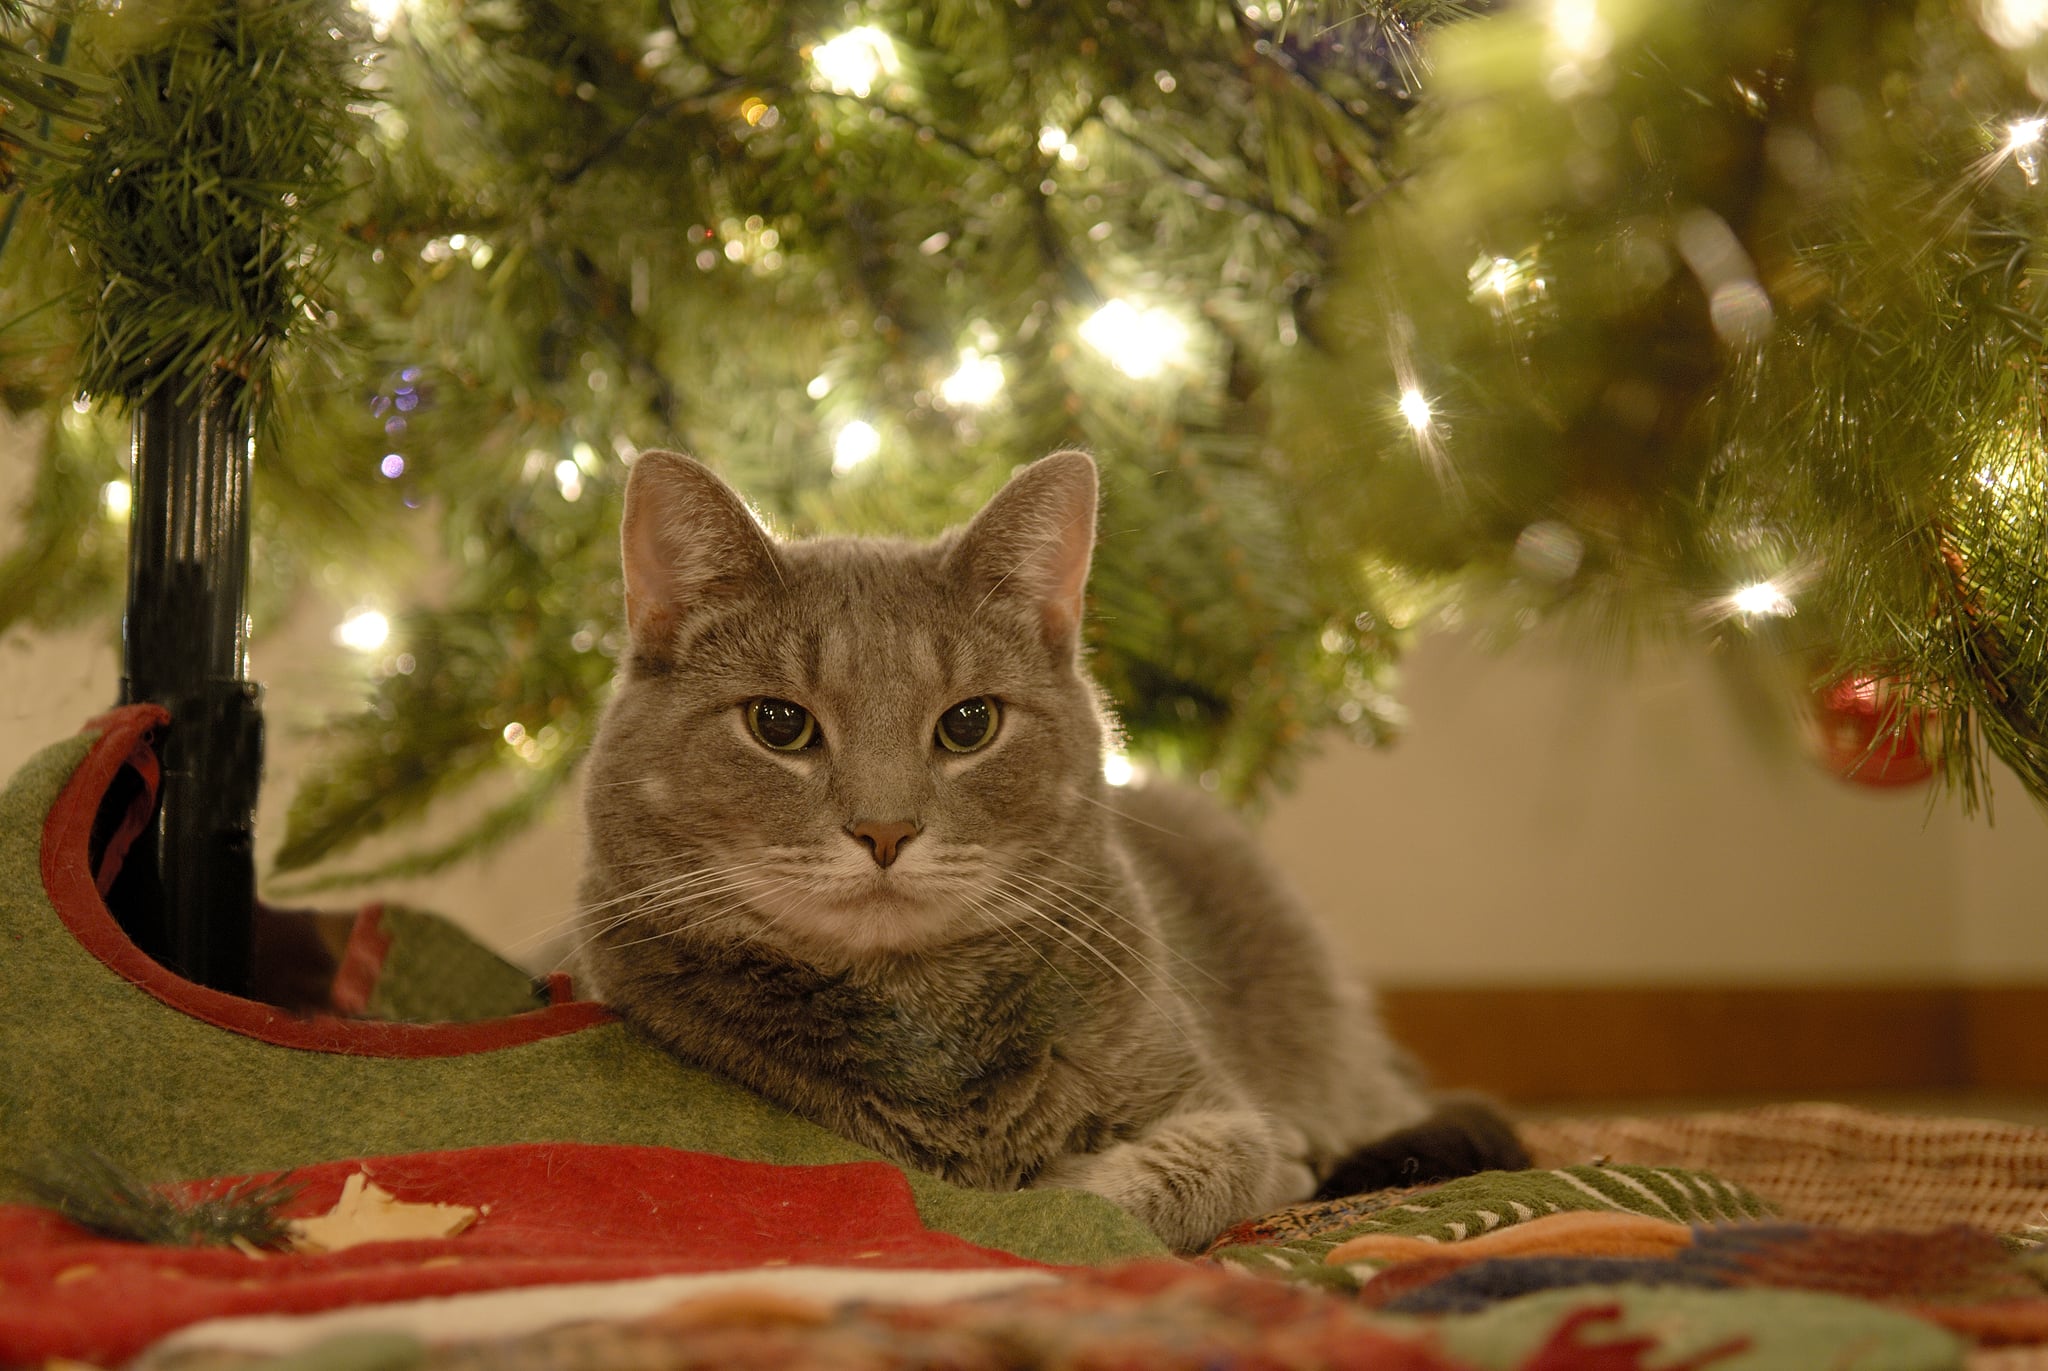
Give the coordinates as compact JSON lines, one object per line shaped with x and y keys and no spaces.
{"x":364,"y":630}
{"x":856,"y":443}
{"x":1141,"y":343}
{"x":855,"y":62}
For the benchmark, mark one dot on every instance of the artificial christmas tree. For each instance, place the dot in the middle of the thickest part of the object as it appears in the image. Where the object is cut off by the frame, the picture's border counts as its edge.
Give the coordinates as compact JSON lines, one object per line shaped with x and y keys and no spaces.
{"x":1676,"y":318}
{"x":865,"y":267}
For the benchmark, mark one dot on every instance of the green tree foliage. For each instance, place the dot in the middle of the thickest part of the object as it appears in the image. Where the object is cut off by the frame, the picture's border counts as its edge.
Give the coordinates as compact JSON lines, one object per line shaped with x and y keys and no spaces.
{"x":780,"y":235}
{"x":1705,"y":296}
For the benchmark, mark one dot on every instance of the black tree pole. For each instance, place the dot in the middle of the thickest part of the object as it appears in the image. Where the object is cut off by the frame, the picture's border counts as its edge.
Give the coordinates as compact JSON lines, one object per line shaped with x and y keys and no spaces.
{"x":191,"y":902}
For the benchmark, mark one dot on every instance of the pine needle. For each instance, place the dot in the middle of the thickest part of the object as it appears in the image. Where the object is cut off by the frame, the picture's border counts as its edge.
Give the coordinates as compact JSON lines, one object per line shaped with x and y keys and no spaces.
{"x":94,"y":1192}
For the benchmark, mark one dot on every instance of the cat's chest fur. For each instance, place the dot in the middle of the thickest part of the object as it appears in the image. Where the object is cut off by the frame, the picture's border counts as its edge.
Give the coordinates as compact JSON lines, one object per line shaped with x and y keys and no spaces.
{"x":980,"y":1071}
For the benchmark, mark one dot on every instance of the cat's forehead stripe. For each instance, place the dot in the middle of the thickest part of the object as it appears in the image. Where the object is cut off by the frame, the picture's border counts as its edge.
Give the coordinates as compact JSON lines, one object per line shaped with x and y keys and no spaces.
{"x":851,"y":651}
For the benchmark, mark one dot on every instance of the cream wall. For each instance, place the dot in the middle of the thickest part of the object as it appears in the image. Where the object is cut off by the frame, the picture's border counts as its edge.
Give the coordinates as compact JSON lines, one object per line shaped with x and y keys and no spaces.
{"x":1546,"y":821}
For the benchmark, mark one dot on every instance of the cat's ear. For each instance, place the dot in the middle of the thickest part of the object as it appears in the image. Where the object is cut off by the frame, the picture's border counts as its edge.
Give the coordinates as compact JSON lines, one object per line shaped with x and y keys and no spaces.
{"x":1034,"y":540}
{"x":685,"y":536}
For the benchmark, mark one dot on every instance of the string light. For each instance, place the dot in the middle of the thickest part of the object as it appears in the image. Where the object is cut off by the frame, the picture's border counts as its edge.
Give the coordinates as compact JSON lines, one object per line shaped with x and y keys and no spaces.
{"x":1415,"y":409}
{"x":856,"y":443}
{"x":1117,"y":769}
{"x":523,"y":743}
{"x":1761,"y":600}
{"x":393,"y":465}
{"x":382,"y":14}
{"x":569,"y":480}
{"x":364,"y":630}
{"x":1141,"y":343}
{"x":2013,"y":23}
{"x":1495,"y":276}
{"x":856,"y":61}
{"x":117,"y":499}
{"x":1580,"y":41}
{"x":2023,"y":145}
{"x":975,"y":382}
{"x":1579,"y":29}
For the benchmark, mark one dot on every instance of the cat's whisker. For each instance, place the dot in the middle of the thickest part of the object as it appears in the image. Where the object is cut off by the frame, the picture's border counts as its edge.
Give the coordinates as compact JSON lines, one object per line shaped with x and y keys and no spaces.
{"x":696,"y":924}
{"x":1082,"y":944}
{"x":620,"y":785}
{"x":653,"y":899}
{"x":991,"y":919}
{"x":1150,"y":963}
{"x":669,"y":887}
{"x":1125,"y":815}
{"x":1053,"y":884}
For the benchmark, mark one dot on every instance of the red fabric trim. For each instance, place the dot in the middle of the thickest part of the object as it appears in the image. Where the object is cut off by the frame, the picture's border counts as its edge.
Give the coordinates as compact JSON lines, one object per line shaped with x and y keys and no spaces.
{"x":362,"y":963}
{"x":553,"y":1213}
{"x":560,"y":989}
{"x":141,"y":810}
{"x":73,"y":890}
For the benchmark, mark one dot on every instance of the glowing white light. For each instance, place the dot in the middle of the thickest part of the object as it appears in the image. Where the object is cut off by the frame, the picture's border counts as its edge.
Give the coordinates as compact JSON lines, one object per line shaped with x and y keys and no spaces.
{"x":117,"y":499}
{"x":2014,"y":23}
{"x":1117,"y":769}
{"x":1579,"y":29}
{"x":976,"y":381}
{"x":856,"y":443}
{"x":1415,"y":409}
{"x":393,"y":465}
{"x":364,"y":630}
{"x":855,"y":61}
{"x":820,"y":386}
{"x":1496,"y":276}
{"x":1763,"y":598}
{"x":1141,"y":343}
{"x":1051,"y":140}
{"x":569,"y":480}
{"x":2023,"y":145}
{"x":382,"y":14}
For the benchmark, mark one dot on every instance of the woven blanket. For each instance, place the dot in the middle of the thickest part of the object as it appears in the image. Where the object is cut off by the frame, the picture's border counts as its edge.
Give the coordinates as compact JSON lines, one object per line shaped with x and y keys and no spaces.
{"x":1166,"y":1316}
{"x":1828,"y":1163}
{"x":1536,"y":1270}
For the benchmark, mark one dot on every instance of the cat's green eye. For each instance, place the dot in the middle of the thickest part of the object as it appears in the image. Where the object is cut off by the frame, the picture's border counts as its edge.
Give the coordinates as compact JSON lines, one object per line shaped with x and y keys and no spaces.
{"x":968,"y":725}
{"x":782,"y":725}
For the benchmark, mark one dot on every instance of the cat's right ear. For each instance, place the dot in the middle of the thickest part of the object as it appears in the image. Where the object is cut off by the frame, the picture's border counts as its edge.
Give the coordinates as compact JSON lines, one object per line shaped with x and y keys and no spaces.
{"x":685,"y":536}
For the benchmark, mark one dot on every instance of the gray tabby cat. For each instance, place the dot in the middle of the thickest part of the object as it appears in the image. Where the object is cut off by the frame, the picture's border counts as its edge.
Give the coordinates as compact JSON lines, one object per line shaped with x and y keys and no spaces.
{"x":850,"y":845}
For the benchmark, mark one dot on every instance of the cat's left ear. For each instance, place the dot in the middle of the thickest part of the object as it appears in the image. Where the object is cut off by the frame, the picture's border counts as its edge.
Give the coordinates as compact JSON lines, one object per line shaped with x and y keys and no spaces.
{"x":1034,"y":539}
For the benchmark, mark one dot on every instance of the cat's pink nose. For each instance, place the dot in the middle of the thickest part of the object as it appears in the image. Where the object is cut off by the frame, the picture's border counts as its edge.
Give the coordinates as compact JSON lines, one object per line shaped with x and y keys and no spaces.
{"x":882,"y":838}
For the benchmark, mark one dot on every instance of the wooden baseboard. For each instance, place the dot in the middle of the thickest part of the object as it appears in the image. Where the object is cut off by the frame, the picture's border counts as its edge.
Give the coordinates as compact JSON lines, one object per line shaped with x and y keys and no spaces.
{"x":1593,"y":1042}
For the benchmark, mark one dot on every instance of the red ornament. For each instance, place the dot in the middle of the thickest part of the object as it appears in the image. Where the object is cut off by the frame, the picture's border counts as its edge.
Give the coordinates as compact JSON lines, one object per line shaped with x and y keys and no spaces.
{"x":1865,"y":732}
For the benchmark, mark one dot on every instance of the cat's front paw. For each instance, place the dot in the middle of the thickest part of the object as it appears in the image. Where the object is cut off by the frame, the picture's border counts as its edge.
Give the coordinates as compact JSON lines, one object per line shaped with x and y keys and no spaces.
{"x":1190,"y":1176}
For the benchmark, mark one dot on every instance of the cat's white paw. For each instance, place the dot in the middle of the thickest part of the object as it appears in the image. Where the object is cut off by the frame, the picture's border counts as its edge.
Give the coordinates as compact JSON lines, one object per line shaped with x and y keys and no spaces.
{"x":1190,"y":1176}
